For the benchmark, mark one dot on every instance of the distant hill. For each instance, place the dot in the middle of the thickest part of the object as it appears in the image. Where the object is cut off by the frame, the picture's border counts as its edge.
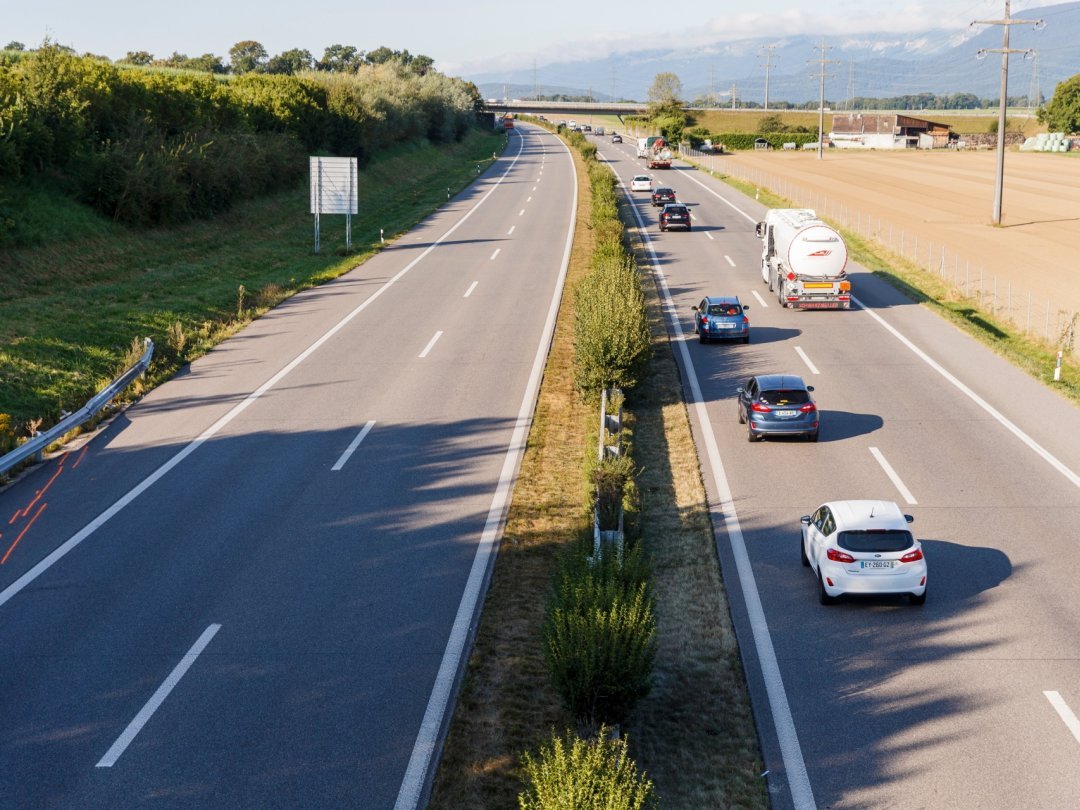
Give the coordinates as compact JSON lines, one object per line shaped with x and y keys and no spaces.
{"x":870,"y":65}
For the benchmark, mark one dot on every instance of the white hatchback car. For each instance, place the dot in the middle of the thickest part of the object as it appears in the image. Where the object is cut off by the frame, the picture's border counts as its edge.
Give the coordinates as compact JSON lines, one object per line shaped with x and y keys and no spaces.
{"x":863,"y":547}
{"x":641,"y":182}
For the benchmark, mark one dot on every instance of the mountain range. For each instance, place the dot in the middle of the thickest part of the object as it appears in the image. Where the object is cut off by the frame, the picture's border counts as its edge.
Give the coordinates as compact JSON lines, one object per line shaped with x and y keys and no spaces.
{"x":870,"y":65}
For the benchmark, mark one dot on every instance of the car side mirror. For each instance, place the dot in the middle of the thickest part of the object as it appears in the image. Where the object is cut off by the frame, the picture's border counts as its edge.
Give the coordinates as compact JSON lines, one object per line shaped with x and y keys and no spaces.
{"x":745,"y":307}
{"x":805,"y":520}
{"x":739,"y":390}
{"x":809,"y":388}
{"x":694,"y":308}
{"x":909,"y":518}
{"x":759,"y":229}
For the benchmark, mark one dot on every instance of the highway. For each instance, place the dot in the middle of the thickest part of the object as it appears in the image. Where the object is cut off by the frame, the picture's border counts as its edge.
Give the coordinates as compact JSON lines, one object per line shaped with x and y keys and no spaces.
{"x":965,"y":702}
{"x":253,"y":589}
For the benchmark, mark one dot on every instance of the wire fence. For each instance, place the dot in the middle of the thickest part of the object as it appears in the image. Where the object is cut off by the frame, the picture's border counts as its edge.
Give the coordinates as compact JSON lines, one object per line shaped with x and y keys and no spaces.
{"x":1036,"y":316}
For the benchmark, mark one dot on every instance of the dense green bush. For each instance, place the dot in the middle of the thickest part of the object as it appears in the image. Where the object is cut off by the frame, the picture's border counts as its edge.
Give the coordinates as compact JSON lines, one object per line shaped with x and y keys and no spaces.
{"x":745,"y":140}
{"x":570,"y":773}
{"x":600,"y":635}
{"x":149,"y":145}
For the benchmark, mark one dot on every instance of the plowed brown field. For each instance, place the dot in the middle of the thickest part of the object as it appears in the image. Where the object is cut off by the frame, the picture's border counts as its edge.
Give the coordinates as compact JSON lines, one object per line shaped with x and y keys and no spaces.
{"x":943,"y":200}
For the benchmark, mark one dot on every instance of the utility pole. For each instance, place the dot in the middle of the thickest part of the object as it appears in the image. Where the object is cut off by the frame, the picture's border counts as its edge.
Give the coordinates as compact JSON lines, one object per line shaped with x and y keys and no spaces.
{"x":768,"y":64}
{"x":733,"y":97}
{"x":822,"y":61}
{"x":851,"y":84}
{"x":1004,"y":50}
{"x":536,"y":93}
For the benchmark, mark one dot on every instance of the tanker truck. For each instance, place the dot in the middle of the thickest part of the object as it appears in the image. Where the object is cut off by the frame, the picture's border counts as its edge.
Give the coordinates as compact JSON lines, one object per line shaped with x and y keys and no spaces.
{"x":803,"y":260}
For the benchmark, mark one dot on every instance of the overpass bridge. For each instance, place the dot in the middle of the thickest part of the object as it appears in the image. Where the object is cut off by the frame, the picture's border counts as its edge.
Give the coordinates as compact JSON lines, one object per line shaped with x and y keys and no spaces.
{"x":564,"y":109}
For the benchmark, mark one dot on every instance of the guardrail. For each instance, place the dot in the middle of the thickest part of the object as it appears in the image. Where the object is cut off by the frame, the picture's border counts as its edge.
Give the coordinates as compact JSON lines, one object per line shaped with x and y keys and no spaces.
{"x":35,"y":447}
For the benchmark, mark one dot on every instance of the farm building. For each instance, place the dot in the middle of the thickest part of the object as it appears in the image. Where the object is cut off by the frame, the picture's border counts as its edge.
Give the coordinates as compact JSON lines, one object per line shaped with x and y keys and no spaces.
{"x":887,"y":131}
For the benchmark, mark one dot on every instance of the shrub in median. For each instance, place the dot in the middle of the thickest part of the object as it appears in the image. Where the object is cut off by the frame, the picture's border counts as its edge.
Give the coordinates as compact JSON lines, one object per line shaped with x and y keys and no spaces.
{"x":600,"y":636}
{"x":570,"y":773}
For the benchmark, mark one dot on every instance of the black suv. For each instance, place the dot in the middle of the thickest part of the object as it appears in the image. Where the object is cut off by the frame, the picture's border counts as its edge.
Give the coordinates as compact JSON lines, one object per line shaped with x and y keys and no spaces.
{"x":674,"y":215}
{"x":663,"y":195}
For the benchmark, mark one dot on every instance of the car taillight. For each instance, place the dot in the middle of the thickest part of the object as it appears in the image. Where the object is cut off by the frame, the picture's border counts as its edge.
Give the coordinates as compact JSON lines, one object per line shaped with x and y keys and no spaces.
{"x":836,"y":555}
{"x":704,"y":321}
{"x":745,"y":320}
{"x":912,"y":556}
{"x":757,"y":406}
{"x":809,"y":407}
{"x":790,"y":276}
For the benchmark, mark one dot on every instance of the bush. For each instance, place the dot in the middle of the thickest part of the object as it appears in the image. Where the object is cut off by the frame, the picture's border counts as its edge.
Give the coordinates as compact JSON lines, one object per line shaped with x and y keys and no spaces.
{"x":575,"y":774}
{"x":609,"y":478}
{"x":600,"y":636}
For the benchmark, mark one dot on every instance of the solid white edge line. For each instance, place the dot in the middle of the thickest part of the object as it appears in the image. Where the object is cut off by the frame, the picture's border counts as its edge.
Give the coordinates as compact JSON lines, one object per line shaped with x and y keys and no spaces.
{"x":897,"y":482}
{"x":802,"y":795}
{"x":1048,"y":457}
{"x":62,"y":550}
{"x":424,"y":750}
{"x":760,"y":300}
{"x":147,"y":711}
{"x":729,"y":261}
{"x":352,"y":446}
{"x":469,"y":291}
{"x":805,"y":359}
{"x":431,"y":344}
{"x":1064,"y":712}
{"x":982,"y":403}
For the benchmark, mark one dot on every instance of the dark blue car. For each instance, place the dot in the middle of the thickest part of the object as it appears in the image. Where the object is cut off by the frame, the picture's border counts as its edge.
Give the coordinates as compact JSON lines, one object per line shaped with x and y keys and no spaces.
{"x":778,"y":405}
{"x":721,"y":317}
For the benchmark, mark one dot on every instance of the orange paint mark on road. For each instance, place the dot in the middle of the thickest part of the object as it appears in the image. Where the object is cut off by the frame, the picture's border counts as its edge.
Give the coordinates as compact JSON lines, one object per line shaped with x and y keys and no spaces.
{"x":26,"y":528}
{"x":41,"y":492}
{"x":78,"y":461}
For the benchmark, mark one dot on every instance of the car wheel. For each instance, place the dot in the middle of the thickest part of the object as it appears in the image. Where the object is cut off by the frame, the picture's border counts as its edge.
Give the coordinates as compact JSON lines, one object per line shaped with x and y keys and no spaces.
{"x":701,"y":337}
{"x":750,"y":437}
{"x":746,"y":340}
{"x":822,"y":594}
{"x":812,"y":437}
{"x":919,"y":600}
{"x":688,"y":228}
{"x":802,"y":551}
{"x":662,"y":229}
{"x":742,"y":419}
{"x":766,"y":276}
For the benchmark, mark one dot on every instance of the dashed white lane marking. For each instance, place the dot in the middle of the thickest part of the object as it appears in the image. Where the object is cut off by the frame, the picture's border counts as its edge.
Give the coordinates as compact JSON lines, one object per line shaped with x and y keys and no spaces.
{"x":364,"y":431}
{"x":528,"y":199}
{"x":710,"y":236}
{"x":147,"y":711}
{"x":511,"y":230}
{"x":496,"y":253}
{"x":431,"y":344}
{"x":729,"y":261}
{"x":805,"y":359}
{"x":760,"y":300}
{"x":521,"y":212}
{"x":1065,"y":713}
{"x":889,"y":471}
{"x":472,"y":287}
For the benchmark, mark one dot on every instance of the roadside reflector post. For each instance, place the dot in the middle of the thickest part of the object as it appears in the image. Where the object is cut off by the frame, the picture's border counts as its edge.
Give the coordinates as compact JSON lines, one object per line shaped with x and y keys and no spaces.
{"x":382,"y":238}
{"x":1057,"y":368}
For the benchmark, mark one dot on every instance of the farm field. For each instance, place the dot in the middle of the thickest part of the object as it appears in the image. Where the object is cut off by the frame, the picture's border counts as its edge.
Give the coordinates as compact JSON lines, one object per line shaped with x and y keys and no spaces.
{"x":943,"y":200}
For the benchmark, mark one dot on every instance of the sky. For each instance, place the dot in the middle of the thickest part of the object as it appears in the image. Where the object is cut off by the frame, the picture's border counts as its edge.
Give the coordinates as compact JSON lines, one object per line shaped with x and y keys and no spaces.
{"x":465,"y":38}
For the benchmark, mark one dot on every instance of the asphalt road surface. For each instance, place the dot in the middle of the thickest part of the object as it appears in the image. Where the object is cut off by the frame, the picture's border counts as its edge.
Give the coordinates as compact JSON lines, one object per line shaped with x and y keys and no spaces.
{"x":252,"y":589}
{"x":969,"y":700}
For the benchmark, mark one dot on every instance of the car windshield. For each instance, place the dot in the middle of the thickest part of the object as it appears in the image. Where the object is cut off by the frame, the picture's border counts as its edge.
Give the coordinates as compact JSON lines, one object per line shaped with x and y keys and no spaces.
{"x":875,"y":540}
{"x":795,"y":397}
{"x":673,"y":209}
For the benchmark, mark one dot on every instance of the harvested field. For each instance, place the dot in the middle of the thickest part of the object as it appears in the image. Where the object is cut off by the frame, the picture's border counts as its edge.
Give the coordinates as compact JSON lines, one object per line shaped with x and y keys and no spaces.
{"x":935,"y":208}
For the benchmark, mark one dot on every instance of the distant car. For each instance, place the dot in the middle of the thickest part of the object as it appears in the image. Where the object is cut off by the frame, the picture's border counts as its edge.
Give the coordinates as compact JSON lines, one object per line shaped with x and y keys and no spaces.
{"x":663,"y":195}
{"x":674,"y":215}
{"x":586,"y":128}
{"x":778,"y":405}
{"x":616,"y":138}
{"x":863,"y":547}
{"x":721,"y":318}
{"x":641,"y":182}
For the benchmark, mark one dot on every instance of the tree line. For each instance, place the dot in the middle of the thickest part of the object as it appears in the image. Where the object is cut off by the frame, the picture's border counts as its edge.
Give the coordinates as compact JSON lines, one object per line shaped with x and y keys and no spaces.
{"x":148,"y":146}
{"x":249,"y":56}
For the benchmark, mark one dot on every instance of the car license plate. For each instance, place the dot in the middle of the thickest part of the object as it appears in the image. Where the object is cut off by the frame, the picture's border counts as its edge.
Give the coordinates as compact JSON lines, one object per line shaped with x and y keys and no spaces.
{"x":786,"y":413}
{"x":723,"y":325}
{"x":877,"y":563}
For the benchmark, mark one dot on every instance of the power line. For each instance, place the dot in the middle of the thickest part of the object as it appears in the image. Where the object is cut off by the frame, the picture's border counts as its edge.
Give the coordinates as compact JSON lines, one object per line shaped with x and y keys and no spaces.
{"x":768,"y":65}
{"x":822,"y":61}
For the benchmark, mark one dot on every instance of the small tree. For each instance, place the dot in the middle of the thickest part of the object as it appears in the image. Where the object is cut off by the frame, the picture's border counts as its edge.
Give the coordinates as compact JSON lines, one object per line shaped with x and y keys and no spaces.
{"x":138,"y":58}
{"x":571,"y":772}
{"x":1062,"y":114}
{"x":664,"y":95}
{"x":247,"y":56}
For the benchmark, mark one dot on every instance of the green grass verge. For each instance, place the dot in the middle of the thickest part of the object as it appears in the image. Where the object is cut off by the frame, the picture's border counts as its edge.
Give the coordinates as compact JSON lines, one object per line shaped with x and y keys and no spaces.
{"x":74,"y":303}
{"x":1027,"y":353}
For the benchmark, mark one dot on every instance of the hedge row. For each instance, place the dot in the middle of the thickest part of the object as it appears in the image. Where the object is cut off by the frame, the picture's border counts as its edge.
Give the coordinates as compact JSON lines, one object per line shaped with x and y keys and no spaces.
{"x":745,"y":140}
{"x":195,"y":142}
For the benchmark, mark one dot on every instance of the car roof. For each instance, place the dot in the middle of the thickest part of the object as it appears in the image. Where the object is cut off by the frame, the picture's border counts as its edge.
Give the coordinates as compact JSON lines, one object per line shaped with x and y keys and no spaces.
{"x":720,"y":299}
{"x":663,"y":188}
{"x":642,"y":177}
{"x":867,"y":514}
{"x":780,"y":381}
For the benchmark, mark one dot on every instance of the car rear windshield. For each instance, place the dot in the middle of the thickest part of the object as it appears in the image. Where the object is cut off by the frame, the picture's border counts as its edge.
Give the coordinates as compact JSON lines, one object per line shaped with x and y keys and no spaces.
{"x":795,"y":397}
{"x":724,"y":309}
{"x":875,"y":540}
